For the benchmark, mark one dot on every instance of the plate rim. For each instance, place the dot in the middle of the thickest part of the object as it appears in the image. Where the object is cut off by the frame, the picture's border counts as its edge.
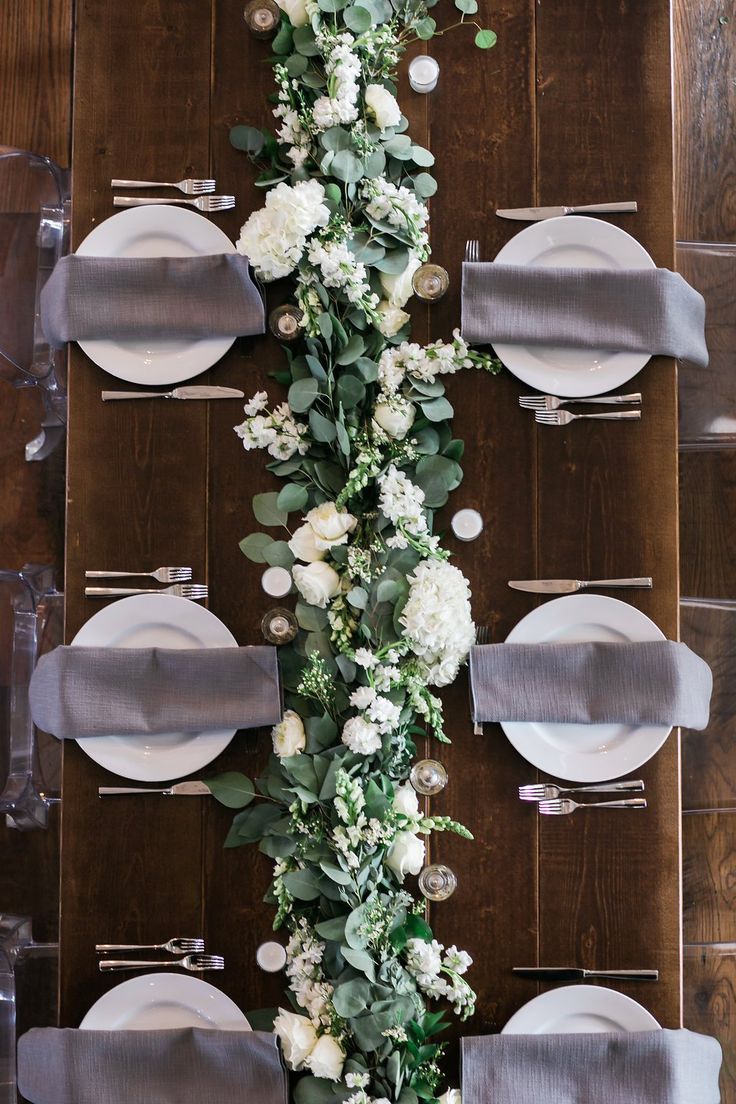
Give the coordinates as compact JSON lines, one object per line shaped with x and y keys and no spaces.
{"x":515,"y":730}
{"x":163,"y":979}
{"x":551,"y":995}
{"x":629,"y":364}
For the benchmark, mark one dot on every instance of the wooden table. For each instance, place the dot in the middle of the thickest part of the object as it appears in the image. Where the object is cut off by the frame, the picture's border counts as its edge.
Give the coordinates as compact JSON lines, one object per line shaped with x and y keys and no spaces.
{"x":572,"y":106}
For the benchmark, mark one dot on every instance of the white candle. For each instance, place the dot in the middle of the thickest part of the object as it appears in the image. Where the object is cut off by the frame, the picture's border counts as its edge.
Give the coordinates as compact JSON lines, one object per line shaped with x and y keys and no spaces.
{"x":423,"y":73}
{"x":467,"y":525}
{"x":271,"y":957}
{"x":276,"y":581}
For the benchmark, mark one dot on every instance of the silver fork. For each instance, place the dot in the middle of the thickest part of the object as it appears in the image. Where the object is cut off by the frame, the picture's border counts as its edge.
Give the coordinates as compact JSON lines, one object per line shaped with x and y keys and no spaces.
{"x":188,"y":186}
{"x":564,"y":417}
{"x":202,"y":203}
{"x":161,"y":574}
{"x":194,"y":591}
{"x":192,"y":962}
{"x":472,"y":251}
{"x":177,"y":945}
{"x":545,"y":791}
{"x":551,"y":402}
{"x":482,"y":636}
{"x":565,"y":805}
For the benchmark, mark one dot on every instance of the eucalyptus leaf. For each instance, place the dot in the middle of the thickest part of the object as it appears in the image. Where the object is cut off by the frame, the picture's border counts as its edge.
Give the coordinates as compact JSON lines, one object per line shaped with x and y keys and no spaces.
{"x":350,"y":391}
{"x":314,"y":1090}
{"x":467,"y":7}
{"x":351,"y":997}
{"x":302,"y":394}
{"x":437,"y":410}
{"x":232,"y":789}
{"x":347,"y":166}
{"x":283,"y":41}
{"x":254,"y":546}
{"x":324,"y":322}
{"x":357,"y":597}
{"x":425,"y":28}
{"x":336,"y":138}
{"x":422,"y":157}
{"x":357,"y":18}
{"x":336,"y":873}
{"x":279,"y":554}
{"x":332,"y":929}
{"x":354,"y":349}
{"x":322,"y":428}
{"x":360,"y":960}
{"x":266,"y":509}
{"x":425,"y":185}
{"x":296,"y":64}
{"x":484,"y":40}
{"x":311,"y":618}
{"x":394,"y":262}
{"x":292,"y":497}
{"x":301,"y":884}
{"x":343,"y":439}
{"x":247,"y":138}
{"x":305,"y":41}
{"x":375,"y":164}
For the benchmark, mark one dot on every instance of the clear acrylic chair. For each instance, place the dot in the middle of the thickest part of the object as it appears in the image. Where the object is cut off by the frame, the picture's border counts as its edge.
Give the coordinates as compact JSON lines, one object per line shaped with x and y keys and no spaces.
{"x":31,"y":615}
{"x":708,"y":395}
{"x":34,"y":234}
{"x":16,"y":947}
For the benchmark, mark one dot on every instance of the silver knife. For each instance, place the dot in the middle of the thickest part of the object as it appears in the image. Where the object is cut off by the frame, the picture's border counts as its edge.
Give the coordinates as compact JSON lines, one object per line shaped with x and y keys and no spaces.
{"x":187,"y":788}
{"x":565,"y":973}
{"x":195,"y":392}
{"x":570,"y":586}
{"x":536,"y":214}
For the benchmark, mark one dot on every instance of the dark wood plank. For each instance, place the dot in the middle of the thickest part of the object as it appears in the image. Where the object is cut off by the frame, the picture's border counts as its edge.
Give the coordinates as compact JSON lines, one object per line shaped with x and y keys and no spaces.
{"x":709,"y":887}
{"x":709,"y":1001}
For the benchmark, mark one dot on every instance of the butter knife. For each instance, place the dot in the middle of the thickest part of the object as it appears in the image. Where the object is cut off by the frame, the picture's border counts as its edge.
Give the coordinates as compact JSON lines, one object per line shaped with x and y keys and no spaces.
{"x":196,"y":392}
{"x":564,"y":973}
{"x":537,"y":214}
{"x":186,"y":788}
{"x":570,"y":586}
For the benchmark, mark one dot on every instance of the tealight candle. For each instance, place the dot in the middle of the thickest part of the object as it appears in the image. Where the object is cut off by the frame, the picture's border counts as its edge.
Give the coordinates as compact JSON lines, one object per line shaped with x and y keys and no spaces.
{"x":271,"y":957}
{"x":285,"y":322}
{"x":279,"y":626}
{"x":430,"y":281}
{"x":262,"y":18}
{"x":276,"y":581}
{"x":467,"y":525}
{"x":424,"y":72}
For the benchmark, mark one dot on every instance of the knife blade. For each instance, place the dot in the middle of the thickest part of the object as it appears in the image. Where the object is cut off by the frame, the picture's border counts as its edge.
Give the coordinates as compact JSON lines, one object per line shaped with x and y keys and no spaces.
{"x":571,"y":973}
{"x":177,"y":790}
{"x":570,"y":586}
{"x":198,"y":391}
{"x":537,"y":214}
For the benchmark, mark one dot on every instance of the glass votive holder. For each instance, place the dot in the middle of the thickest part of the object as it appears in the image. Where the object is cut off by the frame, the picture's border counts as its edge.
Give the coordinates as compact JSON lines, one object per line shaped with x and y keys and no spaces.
{"x":428,"y":777}
{"x":271,"y":957}
{"x":262,"y":18}
{"x":279,"y":626}
{"x":276,"y":581}
{"x":285,"y":322}
{"x":424,"y":72}
{"x":437,"y":882}
{"x":467,"y":525}
{"x":430,"y":282}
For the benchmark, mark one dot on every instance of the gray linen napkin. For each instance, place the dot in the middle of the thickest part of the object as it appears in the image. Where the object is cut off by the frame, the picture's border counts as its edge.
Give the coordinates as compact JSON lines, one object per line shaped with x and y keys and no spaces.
{"x":640,"y":1067}
{"x":81,"y":692}
{"x":139,"y":298}
{"x":184,"y":1066}
{"x":652,"y":311}
{"x":651,"y":682}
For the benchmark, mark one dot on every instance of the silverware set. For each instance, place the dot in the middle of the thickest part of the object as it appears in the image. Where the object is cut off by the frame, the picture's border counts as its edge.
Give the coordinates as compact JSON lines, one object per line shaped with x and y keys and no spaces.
{"x":549,"y":801}
{"x":198,"y":188}
{"x":177,"y":577}
{"x":548,"y":409}
{"x":191,"y":952}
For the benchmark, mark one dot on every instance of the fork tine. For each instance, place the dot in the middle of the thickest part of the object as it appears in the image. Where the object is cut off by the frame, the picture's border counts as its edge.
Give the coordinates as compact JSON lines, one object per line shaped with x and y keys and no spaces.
{"x":551,"y":808}
{"x":199,"y":186}
{"x":548,"y":417}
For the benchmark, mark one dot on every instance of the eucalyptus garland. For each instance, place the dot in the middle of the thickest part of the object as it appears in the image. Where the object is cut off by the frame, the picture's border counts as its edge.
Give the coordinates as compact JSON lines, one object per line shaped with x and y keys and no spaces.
{"x":365,"y":447}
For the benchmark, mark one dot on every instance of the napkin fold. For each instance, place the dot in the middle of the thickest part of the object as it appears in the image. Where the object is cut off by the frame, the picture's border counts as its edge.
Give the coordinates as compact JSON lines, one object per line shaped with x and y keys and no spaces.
{"x":146,"y":298}
{"x":81,"y":692}
{"x":649,"y":682}
{"x":183,"y":1066}
{"x":640,"y":1067}
{"x":650,"y":311}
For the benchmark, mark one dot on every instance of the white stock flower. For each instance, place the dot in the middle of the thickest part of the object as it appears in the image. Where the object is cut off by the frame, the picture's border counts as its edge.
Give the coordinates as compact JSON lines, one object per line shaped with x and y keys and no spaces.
{"x":423,"y":959}
{"x":456,"y":960}
{"x":406,"y":800}
{"x":330,"y":525}
{"x":406,"y":855}
{"x":399,"y":288}
{"x":362,"y":697}
{"x":298,"y":1037}
{"x":384,"y":714}
{"x":317,"y":583}
{"x":391,"y":318}
{"x":288,"y":736}
{"x":395,"y":417}
{"x":438,"y":620}
{"x":326,"y":1059}
{"x":303,"y":544}
{"x":382,"y":105}
{"x":365,"y":658}
{"x":296,"y":11}
{"x":452,"y":1096}
{"x":361,"y":736}
{"x":274,"y":237}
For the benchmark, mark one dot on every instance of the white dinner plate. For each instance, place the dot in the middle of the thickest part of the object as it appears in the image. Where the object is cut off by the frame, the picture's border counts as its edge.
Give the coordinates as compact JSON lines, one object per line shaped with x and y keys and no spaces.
{"x":572,"y":241}
{"x":158,"y":231}
{"x":576,"y":1009}
{"x":585,"y":752}
{"x":155,"y":1002}
{"x":155,"y":621}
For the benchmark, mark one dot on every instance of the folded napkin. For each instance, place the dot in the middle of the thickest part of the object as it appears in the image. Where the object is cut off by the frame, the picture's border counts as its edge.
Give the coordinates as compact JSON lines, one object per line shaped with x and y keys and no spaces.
{"x":183,"y":1066}
{"x":144,"y":298}
{"x":640,"y":1067}
{"x":80,"y":692}
{"x":650,"y":311}
{"x":652,"y":682}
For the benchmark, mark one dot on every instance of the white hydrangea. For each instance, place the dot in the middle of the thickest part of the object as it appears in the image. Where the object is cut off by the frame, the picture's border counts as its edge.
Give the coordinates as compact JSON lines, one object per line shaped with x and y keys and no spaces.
{"x":360,"y":736}
{"x":438,"y":620}
{"x":274,"y":237}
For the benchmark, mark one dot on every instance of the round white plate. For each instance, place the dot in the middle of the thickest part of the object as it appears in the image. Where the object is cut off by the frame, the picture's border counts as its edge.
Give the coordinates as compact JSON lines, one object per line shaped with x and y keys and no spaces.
{"x":155,"y":621}
{"x":582,"y":752}
{"x":155,"y":1002}
{"x":576,"y":1009}
{"x":572,"y":241}
{"x":158,"y":231}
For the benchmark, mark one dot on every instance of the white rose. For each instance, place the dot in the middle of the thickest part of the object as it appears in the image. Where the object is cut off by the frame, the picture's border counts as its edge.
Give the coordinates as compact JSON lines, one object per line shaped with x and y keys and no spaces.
{"x":317,"y":583}
{"x":296,"y":11}
{"x":297,"y":1035}
{"x":361,"y":736}
{"x":327,"y":1058}
{"x":399,"y":288}
{"x":406,"y":855}
{"x":330,"y":525}
{"x":303,"y":544}
{"x":406,"y":800}
{"x":383,"y":106}
{"x":288,"y":736}
{"x":395,"y":418}
{"x":391,"y":318}
{"x":452,"y":1096}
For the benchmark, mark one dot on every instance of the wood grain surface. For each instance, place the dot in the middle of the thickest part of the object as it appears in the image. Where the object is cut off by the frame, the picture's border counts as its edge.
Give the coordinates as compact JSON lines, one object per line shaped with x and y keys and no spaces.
{"x":153,"y":485}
